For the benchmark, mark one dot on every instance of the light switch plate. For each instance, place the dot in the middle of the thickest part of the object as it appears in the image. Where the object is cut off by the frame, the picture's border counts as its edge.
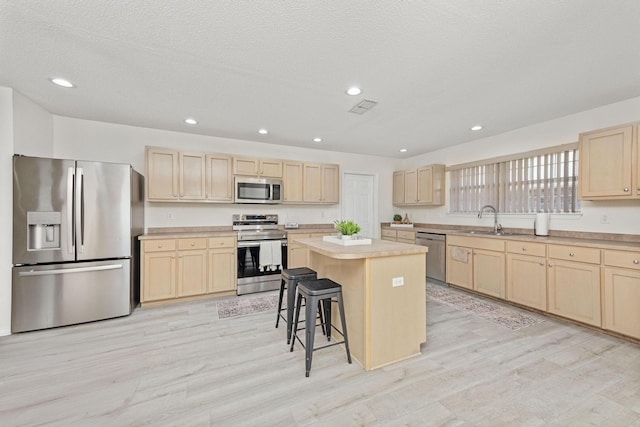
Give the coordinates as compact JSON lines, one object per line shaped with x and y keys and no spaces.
{"x":397,"y":281}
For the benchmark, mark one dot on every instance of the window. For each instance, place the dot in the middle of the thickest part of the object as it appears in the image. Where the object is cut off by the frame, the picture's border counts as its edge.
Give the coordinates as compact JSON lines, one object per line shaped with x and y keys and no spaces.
{"x":541,"y":181}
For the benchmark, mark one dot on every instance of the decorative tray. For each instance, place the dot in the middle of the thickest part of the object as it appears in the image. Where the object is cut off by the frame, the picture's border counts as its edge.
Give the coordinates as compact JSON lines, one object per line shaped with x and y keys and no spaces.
{"x":347,"y":242}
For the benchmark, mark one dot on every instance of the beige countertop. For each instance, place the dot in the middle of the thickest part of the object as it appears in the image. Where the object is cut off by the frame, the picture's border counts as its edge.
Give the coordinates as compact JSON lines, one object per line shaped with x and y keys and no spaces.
{"x":377,"y":249}
{"x":187,"y":235}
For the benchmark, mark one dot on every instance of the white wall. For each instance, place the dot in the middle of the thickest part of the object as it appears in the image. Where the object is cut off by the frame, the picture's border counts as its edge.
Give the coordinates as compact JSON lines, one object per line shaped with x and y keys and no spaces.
{"x":6,"y":209}
{"x":622,"y":214}
{"x":90,"y":140}
{"x":32,"y":128}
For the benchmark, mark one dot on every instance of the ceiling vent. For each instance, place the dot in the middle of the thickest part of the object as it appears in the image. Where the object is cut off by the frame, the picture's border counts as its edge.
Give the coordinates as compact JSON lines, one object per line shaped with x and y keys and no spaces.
{"x":363,"y":106}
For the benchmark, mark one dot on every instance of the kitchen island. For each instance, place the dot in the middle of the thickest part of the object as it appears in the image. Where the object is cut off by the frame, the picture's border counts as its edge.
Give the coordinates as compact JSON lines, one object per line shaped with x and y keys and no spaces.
{"x":384,"y":293}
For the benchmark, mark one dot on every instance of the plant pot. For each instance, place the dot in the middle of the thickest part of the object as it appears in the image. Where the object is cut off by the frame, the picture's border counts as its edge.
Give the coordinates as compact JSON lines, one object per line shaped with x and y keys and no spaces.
{"x":347,"y":236}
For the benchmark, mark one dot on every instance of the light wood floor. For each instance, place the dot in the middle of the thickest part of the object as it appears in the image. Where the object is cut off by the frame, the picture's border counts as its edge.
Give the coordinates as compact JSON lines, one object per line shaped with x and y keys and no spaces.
{"x":181,"y":366}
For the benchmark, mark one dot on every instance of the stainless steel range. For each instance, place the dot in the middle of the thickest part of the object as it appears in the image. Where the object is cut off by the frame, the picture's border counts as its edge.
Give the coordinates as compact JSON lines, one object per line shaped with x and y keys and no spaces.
{"x":262,"y":252}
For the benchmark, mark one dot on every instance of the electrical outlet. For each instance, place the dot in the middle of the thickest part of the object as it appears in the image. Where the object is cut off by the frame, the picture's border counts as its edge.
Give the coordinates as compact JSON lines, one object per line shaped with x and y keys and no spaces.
{"x":604,"y":219}
{"x":169,"y":215}
{"x":397,"y":281}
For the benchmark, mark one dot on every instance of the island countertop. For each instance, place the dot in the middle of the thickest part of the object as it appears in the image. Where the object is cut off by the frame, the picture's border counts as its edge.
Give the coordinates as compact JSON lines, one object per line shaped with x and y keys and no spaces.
{"x":377,"y":249}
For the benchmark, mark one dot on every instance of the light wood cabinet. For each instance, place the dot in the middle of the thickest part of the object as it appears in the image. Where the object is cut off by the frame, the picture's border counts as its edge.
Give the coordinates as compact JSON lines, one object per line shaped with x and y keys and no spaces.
{"x":219,"y":178}
{"x":610,"y":164}
{"x":321,"y":183}
{"x":222,"y":265}
{"x":173,"y":175}
{"x":621,"y":305}
{"x":292,"y":182}
{"x":476,"y":263}
{"x":404,"y":236}
{"x":264,"y":168}
{"x":187,"y":267}
{"x":574,"y":283}
{"x":297,"y":253}
{"x":527,"y":274}
{"x":420,"y":187}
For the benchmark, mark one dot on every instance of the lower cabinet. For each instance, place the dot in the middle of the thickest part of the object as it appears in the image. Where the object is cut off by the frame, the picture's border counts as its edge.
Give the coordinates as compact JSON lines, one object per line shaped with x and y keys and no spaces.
{"x":403,"y":236}
{"x":297,"y":253}
{"x":527,"y":274}
{"x":622,"y":292}
{"x":176,"y":268}
{"x":476,"y":263}
{"x":574,"y":286}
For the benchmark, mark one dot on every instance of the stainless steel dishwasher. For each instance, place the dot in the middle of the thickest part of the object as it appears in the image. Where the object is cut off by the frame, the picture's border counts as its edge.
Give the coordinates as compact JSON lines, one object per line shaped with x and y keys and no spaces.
{"x":436,"y":258}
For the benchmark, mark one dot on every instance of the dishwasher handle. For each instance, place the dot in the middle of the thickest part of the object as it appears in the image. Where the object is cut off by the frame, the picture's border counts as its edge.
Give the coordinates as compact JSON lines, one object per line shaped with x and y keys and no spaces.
{"x":430,"y":236}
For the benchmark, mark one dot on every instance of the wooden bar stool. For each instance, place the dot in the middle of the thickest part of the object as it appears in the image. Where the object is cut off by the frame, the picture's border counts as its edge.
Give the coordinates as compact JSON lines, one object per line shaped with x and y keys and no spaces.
{"x":290,"y":279}
{"x":314,"y":292}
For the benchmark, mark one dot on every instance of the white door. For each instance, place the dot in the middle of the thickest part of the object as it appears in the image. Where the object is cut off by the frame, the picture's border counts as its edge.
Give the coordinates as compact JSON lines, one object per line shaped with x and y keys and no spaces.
{"x":359,"y":202}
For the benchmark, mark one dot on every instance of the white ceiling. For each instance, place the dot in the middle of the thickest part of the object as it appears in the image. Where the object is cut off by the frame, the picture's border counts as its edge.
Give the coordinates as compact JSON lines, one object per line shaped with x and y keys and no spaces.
{"x":435,"y":67}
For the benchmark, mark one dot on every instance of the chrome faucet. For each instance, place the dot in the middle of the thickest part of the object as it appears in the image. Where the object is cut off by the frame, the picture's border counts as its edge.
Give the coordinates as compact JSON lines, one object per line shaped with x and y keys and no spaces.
{"x":496,"y":227}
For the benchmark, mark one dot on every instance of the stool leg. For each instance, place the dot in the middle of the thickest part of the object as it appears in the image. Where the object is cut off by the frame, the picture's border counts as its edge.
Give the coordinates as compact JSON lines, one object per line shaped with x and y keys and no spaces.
{"x":295,"y":323}
{"x":322,"y":318}
{"x":344,"y":326}
{"x":327,"y":316}
{"x":291,"y":298}
{"x":310,"y":330}
{"x":282,"y":284}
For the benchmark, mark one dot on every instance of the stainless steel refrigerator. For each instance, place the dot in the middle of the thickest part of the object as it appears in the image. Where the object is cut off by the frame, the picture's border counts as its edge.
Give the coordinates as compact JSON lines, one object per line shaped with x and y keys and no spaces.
{"x":75,"y":246}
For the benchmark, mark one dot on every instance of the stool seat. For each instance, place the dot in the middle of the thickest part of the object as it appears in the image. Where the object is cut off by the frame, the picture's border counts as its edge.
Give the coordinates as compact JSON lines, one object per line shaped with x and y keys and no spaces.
{"x":318,"y":291}
{"x":295,"y":273}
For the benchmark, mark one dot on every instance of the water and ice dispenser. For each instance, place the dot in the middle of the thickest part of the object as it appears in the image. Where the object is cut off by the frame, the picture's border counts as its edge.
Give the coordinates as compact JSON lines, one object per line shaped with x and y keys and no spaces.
{"x":43,"y":230}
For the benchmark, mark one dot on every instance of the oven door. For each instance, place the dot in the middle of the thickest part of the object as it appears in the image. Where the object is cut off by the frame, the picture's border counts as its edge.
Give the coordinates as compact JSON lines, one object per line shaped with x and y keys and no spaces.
{"x":250,"y":278}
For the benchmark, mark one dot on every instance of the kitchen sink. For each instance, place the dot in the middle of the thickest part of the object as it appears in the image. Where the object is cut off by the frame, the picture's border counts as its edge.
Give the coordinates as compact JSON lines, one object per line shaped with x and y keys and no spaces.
{"x":490,"y":233}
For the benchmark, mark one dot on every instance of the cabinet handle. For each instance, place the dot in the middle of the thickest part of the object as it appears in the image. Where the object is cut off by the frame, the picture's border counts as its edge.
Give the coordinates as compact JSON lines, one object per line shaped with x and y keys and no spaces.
{"x":635,"y":261}
{"x":626,"y":190}
{"x":524,"y":249}
{"x":159,"y":246}
{"x":550,"y":265}
{"x":542,"y":263}
{"x":193,"y":244}
{"x":571,"y":254}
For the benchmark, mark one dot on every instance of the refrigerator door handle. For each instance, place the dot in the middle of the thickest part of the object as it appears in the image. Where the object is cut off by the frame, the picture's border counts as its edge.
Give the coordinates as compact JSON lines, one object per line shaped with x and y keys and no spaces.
{"x":71,"y":237}
{"x":80,"y":208}
{"x":70,"y":270}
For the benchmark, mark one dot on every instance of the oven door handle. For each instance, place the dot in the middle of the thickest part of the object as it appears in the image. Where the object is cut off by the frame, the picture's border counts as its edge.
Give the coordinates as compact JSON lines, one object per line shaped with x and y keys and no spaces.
{"x":253,"y":244}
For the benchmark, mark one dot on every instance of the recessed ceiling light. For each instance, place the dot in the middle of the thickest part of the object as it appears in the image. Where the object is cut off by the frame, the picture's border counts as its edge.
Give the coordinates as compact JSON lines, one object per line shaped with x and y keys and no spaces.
{"x":476,"y":127}
{"x":191,"y":121}
{"x":317,"y":139}
{"x":61,"y":82}
{"x":353,"y":91}
{"x":263,"y":131}
{"x":403,"y":150}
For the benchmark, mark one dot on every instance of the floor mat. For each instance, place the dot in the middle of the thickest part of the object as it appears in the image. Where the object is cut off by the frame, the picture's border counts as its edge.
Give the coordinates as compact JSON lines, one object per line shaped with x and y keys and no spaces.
{"x":251,"y":304}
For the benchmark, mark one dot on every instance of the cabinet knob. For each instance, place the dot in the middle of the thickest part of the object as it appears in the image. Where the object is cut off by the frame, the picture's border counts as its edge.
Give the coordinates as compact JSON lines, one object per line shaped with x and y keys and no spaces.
{"x":159,"y":246}
{"x":626,"y":190}
{"x":635,"y":261}
{"x":193,"y":244}
{"x":542,"y":263}
{"x":524,"y":249}
{"x":571,"y":254}
{"x":550,"y":265}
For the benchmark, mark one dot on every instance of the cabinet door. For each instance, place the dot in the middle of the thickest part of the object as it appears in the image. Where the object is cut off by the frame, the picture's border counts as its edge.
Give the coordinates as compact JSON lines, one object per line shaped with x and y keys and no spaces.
{"x":330,"y":184}
{"x":574,"y":291}
{"x":622,"y":301}
{"x":270,"y":168}
{"x":192,"y":272}
{"x":219,"y":178}
{"x":312,"y":178}
{"x":605,"y":163}
{"x":162,"y":174}
{"x":488,"y":272}
{"x":527,"y":280}
{"x":222,"y":270}
{"x":398,"y":188}
{"x":460,"y":266}
{"x":245,"y":166}
{"x":292,"y":182}
{"x":411,"y":187}
{"x":192,"y":176}
{"x":425,"y":185}
{"x":159,"y":276}
{"x":297,"y":254}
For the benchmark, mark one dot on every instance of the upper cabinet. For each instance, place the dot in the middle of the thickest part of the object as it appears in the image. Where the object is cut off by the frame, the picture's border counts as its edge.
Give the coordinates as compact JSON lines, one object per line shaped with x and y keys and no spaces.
{"x":219,"y":178}
{"x":609,"y":164}
{"x":419,"y":187}
{"x":265,"y":168}
{"x":172,"y":175}
{"x":292,"y":181}
{"x":321,"y":183}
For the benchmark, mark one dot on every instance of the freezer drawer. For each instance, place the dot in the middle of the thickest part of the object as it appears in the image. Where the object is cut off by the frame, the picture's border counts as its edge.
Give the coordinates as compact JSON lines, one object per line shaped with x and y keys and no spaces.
{"x":65,"y":294}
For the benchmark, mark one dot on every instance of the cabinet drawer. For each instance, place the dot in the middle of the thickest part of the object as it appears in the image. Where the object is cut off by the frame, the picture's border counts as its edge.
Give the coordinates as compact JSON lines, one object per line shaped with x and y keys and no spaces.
{"x":526,"y":248}
{"x":296,"y":236}
{"x":575,"y":253}
{"x":160,"y":245}
{"x":389,"y":233}
{"x":406,"y":235}
{"x":186,"y":244}
{"x":622,"y":259}
{"x":222,"y":242}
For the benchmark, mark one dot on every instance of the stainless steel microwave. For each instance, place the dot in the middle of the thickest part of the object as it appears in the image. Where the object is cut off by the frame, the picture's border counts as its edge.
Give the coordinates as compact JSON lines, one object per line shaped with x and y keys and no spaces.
{"x":257,"y":190}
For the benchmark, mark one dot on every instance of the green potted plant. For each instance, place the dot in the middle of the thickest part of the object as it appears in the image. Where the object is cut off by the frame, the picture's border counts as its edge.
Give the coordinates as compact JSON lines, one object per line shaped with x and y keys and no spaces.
{"x":347,"y":228}
{"x":397,"y":218}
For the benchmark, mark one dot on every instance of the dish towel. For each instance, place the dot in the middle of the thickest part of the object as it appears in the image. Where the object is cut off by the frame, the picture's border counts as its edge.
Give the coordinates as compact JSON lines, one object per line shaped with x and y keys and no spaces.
{"x":460,"y":254}
{"x":270,"y":255}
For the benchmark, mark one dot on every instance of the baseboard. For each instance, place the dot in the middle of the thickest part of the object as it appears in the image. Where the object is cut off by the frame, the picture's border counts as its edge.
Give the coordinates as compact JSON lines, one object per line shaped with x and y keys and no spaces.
{"x":4,"y":332}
